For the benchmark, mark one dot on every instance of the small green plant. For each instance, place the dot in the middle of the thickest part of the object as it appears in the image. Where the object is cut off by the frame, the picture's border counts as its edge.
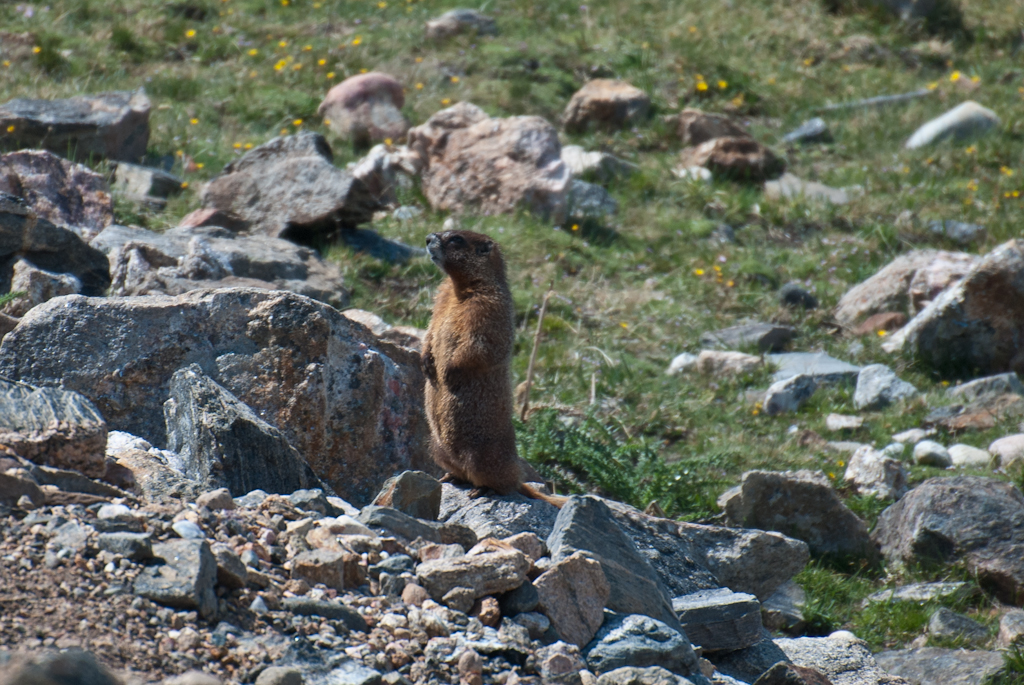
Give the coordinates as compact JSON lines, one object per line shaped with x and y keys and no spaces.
{"x":123,"y":39}
{"x":9,"y":297}
{"x":48,"y":55}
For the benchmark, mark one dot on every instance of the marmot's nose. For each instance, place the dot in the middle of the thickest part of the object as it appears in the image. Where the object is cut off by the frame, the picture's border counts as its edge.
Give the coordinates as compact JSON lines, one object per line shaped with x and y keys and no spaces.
{"x":430,"y":237}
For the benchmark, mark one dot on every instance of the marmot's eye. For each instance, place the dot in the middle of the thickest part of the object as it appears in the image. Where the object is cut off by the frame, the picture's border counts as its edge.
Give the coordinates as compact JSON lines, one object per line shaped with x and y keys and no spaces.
{"x":456,"y":240}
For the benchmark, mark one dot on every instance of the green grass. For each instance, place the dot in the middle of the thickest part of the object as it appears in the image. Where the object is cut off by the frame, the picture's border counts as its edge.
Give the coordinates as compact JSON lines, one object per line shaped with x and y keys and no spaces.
{"x":225,"y":76}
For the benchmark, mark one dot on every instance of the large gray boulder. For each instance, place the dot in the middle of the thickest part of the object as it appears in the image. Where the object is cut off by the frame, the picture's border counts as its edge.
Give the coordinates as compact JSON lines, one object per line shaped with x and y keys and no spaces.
{"x":192,"y":258}
{"x":225,"y":444}
{"x":977,"y":520}
{"x":26,"y":236}
{"x":36,"y":286}
{"x":800,"y":504}
{"x":289,"y":188}
{"x":586,"y":524}
{"x":878,"y":386}
{"x":496,"y":516}
{"x":53,"y":427}
{"x":639,"y":641}
{"x":977,"y":325}
{"x":720,"y":620}
{"x":350,"y":403}
{"x":112,"y":125}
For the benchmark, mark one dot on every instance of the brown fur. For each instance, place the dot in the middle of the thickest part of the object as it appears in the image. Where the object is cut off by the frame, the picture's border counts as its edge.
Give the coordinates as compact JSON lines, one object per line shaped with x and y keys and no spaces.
{"x":467,"y":353}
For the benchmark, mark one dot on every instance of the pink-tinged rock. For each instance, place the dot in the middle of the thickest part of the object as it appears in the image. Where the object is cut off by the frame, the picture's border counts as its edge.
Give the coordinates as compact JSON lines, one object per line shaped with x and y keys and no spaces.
{"x":366,"y":108}
{"x":904,"y":285}
{"x":111,"y":125}
{"x":572,"y":594}
{"x":69,"y":195}
{"x":977,"y":324}
{"x":1009,"y":451}
{"x":694,"y":127}
{"x":735,"y":158}
{"x":492,"y":166}
{"x":605,"y":104}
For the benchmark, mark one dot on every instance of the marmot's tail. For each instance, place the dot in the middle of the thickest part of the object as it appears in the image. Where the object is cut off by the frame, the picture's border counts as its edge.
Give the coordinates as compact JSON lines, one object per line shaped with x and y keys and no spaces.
{"x":531,"y":492}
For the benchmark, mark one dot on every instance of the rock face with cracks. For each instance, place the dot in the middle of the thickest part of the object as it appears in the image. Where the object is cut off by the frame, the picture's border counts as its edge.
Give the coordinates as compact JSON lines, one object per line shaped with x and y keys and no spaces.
{"x":348,"y":402}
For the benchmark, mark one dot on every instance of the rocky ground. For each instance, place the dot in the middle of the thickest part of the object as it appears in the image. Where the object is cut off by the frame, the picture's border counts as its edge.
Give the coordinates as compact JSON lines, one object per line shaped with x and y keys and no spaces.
{"x":779,"y":256}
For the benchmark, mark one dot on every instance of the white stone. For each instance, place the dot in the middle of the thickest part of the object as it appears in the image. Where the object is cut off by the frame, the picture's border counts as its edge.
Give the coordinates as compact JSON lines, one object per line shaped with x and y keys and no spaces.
{"x":965,"y":455}
{"x":789,"y":395}
{"x":791,"y":187}
{"x":876,"y":474}
{"x":838,"y":422}
{"x":697,"y":174}
{"x":603,"y":166}
{"x":1009,"y":451}
{"x":913,"y":436}
{"x":965,"y":120}
{"x":931,"y":453}
{"x":682,"y":362}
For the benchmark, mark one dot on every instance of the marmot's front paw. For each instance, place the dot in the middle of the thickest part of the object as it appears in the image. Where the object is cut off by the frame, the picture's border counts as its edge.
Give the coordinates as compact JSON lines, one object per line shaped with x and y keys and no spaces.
{"x":429,"y":369}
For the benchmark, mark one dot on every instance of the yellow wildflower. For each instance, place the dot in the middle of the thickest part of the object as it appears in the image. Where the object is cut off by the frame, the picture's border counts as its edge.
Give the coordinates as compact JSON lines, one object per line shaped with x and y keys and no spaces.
{"x":330,"y":74}
{"x":254,"y":52}
{"x":955,"y":76}
{"x":419,"y":86}
{"x":36,"y":50}
{"x":1006,"y":171}
{"x":698,"y":272}
{"x":446,"y":102}
{"x":455,"y":79}
{"x":193,"y":121}
{"x":184,"y":184}
{"x":357,"y":40}
{"x":283,"y":44}
{"x":321,"y":62}
{"x":10,"y":129}
{"x":723,"y":85}
{"x":297,"y":122}
{"x":881,"y":333}
{"x":191,"y":33}
{"x":624,"y":324}
{"x":701,"y":86}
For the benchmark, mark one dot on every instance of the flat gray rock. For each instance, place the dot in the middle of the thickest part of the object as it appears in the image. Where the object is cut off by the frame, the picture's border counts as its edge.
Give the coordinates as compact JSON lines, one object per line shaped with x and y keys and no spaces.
{"x":791,"y":187}
{"x":589,"y":201}
{"x":811,"y":131}
{"x":959,"y":232}
{"x":990,"y":386}
{"x":841,"y":657}
{"x":183,"y":578}
{"x":112,"y":125}
{"x":747,"y":665}
{"x":933,"y":666}
{"x":720,"y":620}
{"x":818,"y":365}
{"x":149,"y":185}
{"x":789,"y":394}
{"x":765,"y":337}
{"x":496,"y":516}
{"x":784,"y":610}
{"x":946,"y":623}
{"x":919,"y":592}
{"x":332,"y":610}
{"x":966,"y":120}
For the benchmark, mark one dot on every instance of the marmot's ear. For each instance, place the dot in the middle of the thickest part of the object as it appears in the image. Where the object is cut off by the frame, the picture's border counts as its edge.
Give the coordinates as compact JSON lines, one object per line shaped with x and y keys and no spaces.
{"x":483,"y":248}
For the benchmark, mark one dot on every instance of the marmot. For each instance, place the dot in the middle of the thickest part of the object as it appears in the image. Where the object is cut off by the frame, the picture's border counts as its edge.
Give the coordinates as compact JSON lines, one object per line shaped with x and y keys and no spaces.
{"x":467,"y":355}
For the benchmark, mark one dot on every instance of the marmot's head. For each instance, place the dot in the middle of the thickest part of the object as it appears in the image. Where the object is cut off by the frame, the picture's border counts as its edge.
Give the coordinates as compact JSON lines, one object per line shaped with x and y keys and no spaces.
{"x":466,"y":256}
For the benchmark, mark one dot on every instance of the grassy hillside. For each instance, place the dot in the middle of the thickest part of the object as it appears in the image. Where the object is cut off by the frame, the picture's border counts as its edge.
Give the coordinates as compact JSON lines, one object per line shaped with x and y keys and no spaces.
{"x":227,"y":75}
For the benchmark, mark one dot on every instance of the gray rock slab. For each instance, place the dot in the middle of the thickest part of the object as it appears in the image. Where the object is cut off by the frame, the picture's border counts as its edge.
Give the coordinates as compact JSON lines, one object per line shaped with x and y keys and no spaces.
{"x":990,"y":386}
{"x":977,"y":520}
{"x":112,"y":125}
{"x":348,"y":402}
{"x":931,"y":453}
{"x":946,"y":623}
{"x":652,"y":675}
{"x":1011,"y":628}
{"x":155,"y":479}
{"x":878,"y":386}
{"x":639,"y":641}
{"x":72,"y":536}
{"x":766,"y":337}
{"x":933,"y":666}
{"x":966,"y":120}
{"x":598,"y":166}
{"x":145,"y":184}
{"x":919,"y":592}
{"x":586,"y":524}
{"x":496,"y":516}
{"x":332,"y":610}
{"x":184,"y":579}
{"x":811,"y":131}
{"x":959,"y":232}
{"x":876,"y":474}
{"x":818,"y":365}
{"x":720,"y":620}
{"x":791,"y":187}
{"x":399,"y":523}
{"x":134,"y":546}
{"x":225,"y":444}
